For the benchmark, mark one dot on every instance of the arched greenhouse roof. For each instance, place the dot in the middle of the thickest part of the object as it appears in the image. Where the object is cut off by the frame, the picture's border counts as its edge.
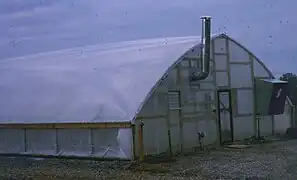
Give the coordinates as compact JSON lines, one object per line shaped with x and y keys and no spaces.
{"x":102,"y":83}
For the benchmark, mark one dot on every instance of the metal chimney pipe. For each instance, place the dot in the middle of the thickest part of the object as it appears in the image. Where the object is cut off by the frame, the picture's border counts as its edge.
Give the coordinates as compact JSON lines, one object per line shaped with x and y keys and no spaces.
{"x":205,"y":49}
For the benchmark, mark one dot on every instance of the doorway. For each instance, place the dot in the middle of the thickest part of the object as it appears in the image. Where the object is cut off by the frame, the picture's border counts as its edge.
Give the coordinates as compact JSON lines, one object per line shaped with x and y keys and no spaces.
{"x":225,"y":116}
{"x":174,"y":124}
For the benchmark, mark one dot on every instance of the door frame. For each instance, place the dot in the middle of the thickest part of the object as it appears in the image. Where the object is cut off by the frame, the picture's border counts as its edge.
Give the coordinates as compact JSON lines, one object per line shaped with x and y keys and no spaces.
{"x":179,"y":125}
{"x":230,"y":112}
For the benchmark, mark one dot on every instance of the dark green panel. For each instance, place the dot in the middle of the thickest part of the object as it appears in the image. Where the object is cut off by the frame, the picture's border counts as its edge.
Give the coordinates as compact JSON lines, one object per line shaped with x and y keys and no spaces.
{"x":263,"y":96}
{"x":268,"y":102}
{"x":234,"y":101}
{"x":278,"y":98}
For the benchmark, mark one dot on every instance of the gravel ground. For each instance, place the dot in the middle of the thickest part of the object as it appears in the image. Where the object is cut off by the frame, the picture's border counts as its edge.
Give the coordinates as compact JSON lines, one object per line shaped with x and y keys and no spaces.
{"x":277,"y":160}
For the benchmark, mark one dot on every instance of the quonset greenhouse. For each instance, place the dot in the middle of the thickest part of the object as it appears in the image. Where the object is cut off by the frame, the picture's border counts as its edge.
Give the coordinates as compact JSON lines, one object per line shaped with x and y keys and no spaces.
{"x":133,"y":99}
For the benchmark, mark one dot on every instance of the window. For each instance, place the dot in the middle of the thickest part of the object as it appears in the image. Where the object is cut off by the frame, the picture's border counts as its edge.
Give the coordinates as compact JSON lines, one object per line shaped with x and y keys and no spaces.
{"x":174,"y":100}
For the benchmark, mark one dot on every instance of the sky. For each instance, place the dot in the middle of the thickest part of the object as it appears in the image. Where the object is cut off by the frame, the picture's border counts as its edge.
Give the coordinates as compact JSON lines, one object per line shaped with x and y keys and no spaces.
{"x":266,"y":27}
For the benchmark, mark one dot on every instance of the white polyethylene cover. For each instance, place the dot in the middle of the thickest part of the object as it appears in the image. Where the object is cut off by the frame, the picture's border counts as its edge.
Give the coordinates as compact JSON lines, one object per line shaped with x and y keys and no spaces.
{"x":95,"y":84}
{"x":106,"y":143}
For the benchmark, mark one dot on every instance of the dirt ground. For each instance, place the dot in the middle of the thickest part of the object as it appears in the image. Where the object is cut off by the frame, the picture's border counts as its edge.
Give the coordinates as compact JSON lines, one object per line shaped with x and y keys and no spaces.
{"x":277,"y":160}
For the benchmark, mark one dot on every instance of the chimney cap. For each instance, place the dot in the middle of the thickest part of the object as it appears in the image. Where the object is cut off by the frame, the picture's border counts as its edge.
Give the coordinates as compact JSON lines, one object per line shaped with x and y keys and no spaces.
{"x":206,"y":17}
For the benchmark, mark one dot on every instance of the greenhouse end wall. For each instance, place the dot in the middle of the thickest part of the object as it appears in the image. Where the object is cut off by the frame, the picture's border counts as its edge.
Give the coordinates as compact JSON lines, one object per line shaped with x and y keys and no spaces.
{"x":177,"y":110}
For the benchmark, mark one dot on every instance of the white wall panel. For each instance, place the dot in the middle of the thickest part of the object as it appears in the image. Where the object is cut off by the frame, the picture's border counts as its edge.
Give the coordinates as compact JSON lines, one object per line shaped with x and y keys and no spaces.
{"x":105,"y":142}
{"x":190,"y":138}
{"x":155,"y":136}
{"x":112,"y":143}
{"x":266,"y":126}
{"x":12,"y":141}
{"x":243,"y":127}
{"x":220,"y":45}
{"x":221,"y":62}
{"x":42,"y":141}
{"x":188,"y":108}
{"x":244,"y":101}
{"x":175,"y":139}
{"x":147,"y":108}
{"x":160,"y":103}
{"x":283,"y":121}
{"x":185,"y":75}
{"x":74,"y":142}
{"x":221,"y":78}
{"x":240,"y":76}
{"x":125,"y":142}
{"x":237,"y":53}
{"x":172,"y":78}
{"x":259,"y":70}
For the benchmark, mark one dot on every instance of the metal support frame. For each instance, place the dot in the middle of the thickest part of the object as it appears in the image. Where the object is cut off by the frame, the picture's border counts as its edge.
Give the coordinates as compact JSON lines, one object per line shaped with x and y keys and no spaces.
{"x":57,"y":150}
{"x":25,"y":140}
{"x":95,"y":125}
{"x":180,"y":83}
{"x":215,"y":92}
{"x":140,"y":141}
{"x":91,"y":141}
{"x":254,"y":96}
{"x":134,"y":141}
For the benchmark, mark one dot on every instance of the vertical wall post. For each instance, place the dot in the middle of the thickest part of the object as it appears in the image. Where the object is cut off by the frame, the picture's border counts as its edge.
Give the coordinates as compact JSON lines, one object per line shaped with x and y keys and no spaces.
{"x":91,"y":141}
{"x":133,"y":141}
{"x":140,"y":141}
{"x":180,"y":84}
{"x":168,"y":127}
{"x":254,"y":109}
{"x":273,"y":125}
{"x":169,"y":140}
{"x":57,"y":142}
{"x":25,"y":140}
{"x":294,"y":116}
{"x":215,"y":110}
{"x":254,"y":105}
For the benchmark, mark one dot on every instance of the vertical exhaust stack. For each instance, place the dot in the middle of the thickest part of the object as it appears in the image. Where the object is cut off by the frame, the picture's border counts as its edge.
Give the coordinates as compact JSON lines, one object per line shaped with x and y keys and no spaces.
{"x":205,"y":50}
